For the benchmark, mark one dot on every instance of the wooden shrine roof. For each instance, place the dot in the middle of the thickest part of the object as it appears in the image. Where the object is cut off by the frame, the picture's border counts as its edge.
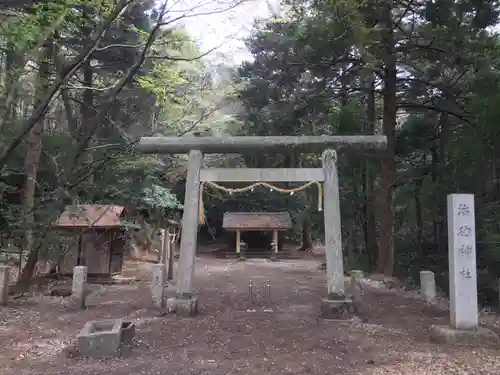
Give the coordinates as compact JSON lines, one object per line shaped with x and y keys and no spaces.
{"x":257,"y":221}
{"x":91,"y":216}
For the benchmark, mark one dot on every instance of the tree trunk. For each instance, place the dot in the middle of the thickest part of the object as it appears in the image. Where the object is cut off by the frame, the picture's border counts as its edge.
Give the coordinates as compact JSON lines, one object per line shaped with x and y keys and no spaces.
{"x":419,"y":217}
{"x":388,"y":167}
{"x":68,"y":109}
{"x":441,"y":167}
{"x":87,"y":113}
{"x":31,"y":164}
{"x":14,"y":67}
{"x":369,"y":222}
{"x":307,"y":238}
{"x":295,"y":161}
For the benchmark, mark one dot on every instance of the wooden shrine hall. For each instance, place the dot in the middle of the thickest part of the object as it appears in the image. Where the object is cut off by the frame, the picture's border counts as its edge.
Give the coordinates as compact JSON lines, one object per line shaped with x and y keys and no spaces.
{"x":101,"y":239}
{"x":257,"y":221}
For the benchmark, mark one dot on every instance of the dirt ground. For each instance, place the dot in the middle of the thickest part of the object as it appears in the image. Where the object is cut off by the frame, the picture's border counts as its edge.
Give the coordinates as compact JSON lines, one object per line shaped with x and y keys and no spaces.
{"x":225,"y":339}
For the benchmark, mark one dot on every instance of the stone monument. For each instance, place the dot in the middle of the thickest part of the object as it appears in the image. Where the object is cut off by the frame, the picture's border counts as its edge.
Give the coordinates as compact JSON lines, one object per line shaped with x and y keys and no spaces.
{"x":464,"y":328}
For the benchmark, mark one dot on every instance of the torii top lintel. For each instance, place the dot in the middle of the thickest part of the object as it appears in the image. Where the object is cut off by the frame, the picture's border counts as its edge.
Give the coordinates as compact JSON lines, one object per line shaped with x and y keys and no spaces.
{"x":242,"y":144}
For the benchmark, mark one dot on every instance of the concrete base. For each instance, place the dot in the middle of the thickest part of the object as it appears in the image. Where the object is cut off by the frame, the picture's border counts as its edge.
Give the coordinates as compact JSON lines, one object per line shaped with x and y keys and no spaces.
{"x":77,"y":303}
{"x":100,"y":338}
{"x":479,"y":336}
{"x":337,"y":307}
{"x":183,"y":306}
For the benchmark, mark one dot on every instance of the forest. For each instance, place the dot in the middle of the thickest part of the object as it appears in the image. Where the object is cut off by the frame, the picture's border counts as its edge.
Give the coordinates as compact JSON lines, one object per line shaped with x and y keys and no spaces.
{"x":83,"y":81}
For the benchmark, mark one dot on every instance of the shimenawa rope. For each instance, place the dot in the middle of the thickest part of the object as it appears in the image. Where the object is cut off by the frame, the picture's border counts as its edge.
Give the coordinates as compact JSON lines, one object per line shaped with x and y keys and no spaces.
{"x":251,"y":187}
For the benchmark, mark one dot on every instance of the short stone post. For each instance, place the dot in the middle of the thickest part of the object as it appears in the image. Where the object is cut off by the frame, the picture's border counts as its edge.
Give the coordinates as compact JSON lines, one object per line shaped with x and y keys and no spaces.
{"x":169,"y":259}
{"x":163,"y":239}
{"x":4,"y":284}
{"x":464,"y":328}
{"x":238,"y":244}
{"x":428,"y":286}
{"x":79,"y":287}
{"x":158,"y":285}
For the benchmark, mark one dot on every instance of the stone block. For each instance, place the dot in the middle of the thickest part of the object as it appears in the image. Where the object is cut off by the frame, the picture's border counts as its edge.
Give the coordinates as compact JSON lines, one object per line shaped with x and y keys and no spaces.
{"x":428,"y":286}
{"x":183,"y":306}
{"x":358,"y":274}
{"x":100,"y":338}
{"x":336,"y":307}
{"x":479,"y":336}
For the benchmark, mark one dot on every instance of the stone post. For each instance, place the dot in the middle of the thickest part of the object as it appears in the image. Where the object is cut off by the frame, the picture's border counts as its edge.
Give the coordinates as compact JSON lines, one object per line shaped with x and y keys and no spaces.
{"x":4,"y":284}
{"x":428,"y":286}
{"x":333,"y":230}
{"x":169,"y":259}
{"x":163,"y":238}
{"x":79,"y":287}
{"x":158,"y":285}
{"x":185,"y":303}
{"x":463,"y":329}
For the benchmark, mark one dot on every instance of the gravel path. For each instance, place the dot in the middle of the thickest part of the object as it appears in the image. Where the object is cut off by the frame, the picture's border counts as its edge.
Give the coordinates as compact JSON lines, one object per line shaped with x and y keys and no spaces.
{"x":225,"y":339}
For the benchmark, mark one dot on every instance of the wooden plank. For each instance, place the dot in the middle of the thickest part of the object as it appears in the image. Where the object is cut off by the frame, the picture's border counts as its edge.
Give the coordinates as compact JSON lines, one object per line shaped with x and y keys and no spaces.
{"x":242,"y":144}
{"x":262,"y":174}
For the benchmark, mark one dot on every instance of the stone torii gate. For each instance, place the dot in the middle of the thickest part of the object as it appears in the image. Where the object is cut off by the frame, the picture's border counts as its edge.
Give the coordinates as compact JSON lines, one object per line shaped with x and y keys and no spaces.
{"x":186,"y":302}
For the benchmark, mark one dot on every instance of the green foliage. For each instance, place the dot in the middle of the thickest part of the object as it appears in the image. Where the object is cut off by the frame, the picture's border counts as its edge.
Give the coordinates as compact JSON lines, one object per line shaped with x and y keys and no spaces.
{"x":157,"y":198}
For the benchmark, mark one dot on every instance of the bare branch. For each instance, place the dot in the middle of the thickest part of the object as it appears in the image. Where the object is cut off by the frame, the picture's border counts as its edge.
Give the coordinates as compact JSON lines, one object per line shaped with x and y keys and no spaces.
{"x":82,"y":144}
{"x":206,"y":113}
{"x":178,"y":58}
{"x":186,"y":15}
{"x":460,"y":116}
{"x":81,"y":87}
{"x":109,"y":46}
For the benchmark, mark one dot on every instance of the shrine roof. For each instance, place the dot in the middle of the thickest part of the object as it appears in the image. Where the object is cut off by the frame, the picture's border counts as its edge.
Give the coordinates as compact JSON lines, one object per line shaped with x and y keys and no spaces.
{"x":257,"y":221}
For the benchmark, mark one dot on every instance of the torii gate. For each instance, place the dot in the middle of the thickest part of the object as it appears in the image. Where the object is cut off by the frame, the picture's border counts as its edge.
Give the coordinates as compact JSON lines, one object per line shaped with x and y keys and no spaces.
{"x":186,"y":303}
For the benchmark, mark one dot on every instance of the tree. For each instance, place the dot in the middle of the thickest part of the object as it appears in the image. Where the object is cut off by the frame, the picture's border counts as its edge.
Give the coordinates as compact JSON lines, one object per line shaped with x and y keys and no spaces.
{"x":88,"y":75}
{"x":403,"y":68}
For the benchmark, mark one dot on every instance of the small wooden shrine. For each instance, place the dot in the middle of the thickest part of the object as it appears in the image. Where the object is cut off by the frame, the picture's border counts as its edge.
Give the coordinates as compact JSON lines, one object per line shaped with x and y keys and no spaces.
{"x":102,"y":239}
{"x":257,"y":221}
